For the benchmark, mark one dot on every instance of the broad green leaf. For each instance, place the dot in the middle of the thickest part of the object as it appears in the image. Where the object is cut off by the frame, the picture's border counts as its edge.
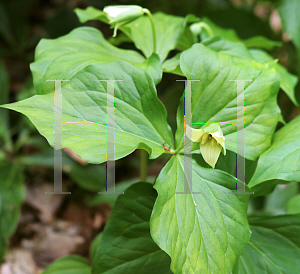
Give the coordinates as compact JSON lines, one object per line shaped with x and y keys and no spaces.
{"x":12,"y":194}
{"x":202,"y":233}
{"x":140,"y":117}
{"x":274,"y":247}
{"x":71,"y":264}
{"x":216,"y":43}
{"x":215,"y":97}
{"x":153,"y":66}
{"x":63,"y":57}
{"x":234,"y":48}
{"x":261,"y":42}
{"x":293,"y":205}
{"x":126,"y":245}
{"x":289,"y":11}
{"x":228,"y":164}
{"x":90,"y":13}
{"x":282,"y":159}
{"x":261,"y":189}
{"x":169,"y":29}
{"x":172,"y":65}
{"x":288,"y":81}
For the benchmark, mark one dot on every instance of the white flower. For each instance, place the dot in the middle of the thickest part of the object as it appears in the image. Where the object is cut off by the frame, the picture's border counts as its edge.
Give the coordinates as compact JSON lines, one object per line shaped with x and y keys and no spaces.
{"x":211,"y":140}
{"x":120,"y":15}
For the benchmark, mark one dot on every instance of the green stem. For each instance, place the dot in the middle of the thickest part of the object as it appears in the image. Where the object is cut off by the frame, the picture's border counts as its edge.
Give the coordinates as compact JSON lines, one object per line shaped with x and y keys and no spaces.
{"x":143,"y":166}
{"x":153,"y":28}
{"x":179,"y":149}
{"x":205,"y":26}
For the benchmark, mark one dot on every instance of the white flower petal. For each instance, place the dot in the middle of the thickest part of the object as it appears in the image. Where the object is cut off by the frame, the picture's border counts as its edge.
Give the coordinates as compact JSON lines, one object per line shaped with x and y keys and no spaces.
{"x":210,"y":153}
{"x":194,"y":134}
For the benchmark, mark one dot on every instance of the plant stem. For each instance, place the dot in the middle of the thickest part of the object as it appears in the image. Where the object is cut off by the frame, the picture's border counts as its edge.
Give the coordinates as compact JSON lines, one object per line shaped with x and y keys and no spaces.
{"x":143,"y":166}
{"x":153,"y":28}
{"x":197,"y":29}
{"x":207,"y":28}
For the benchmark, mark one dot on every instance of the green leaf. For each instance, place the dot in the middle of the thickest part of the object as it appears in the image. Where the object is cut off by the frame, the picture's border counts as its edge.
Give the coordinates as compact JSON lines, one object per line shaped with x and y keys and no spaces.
{"x":282,"y":159}
{"x":261,"y":189}
{"x":293,"y":206}
{"x":274,"y":246}
{"x":216,"y":43}
{"x":172,"y":65}
{"x":63,"y":57}
{"x":95,"y":243}
{"x":288,"y":81}
{"x":261,"y":42}
{"x":214,"y":97}
{"x":71,"y":264}
{"x":126,"y":245}
{"x":140,"y":117}
{"x":90,"y":13}
{"x":153,"y":66}
{"x":202,"y":233}
{"x":169,"y":29}
{"x":289,"y":11}
{"x":12,"y":194}
{"x":219,"y":44}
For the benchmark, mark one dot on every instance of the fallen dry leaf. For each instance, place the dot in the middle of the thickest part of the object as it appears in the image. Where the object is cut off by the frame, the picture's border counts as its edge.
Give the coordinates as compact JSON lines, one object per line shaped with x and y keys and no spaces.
{"x":19,"y":261}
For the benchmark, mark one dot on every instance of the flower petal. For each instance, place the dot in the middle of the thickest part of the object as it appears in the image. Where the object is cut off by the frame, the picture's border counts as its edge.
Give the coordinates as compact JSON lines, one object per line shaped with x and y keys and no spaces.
{"x":194,"y":134}
{"x":210,"y":153}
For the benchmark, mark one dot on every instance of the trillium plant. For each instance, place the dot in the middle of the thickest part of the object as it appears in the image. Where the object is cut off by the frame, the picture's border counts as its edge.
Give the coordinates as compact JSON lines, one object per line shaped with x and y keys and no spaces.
{"x":159,"y":228}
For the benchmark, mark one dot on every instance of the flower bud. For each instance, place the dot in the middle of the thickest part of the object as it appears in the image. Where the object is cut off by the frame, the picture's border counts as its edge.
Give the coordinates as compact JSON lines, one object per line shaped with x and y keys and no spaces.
{"x":120,"y":15}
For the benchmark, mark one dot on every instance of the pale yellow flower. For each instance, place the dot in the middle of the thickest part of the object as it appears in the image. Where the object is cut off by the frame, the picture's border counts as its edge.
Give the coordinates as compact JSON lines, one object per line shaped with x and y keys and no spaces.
{"x":211,"y":140}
